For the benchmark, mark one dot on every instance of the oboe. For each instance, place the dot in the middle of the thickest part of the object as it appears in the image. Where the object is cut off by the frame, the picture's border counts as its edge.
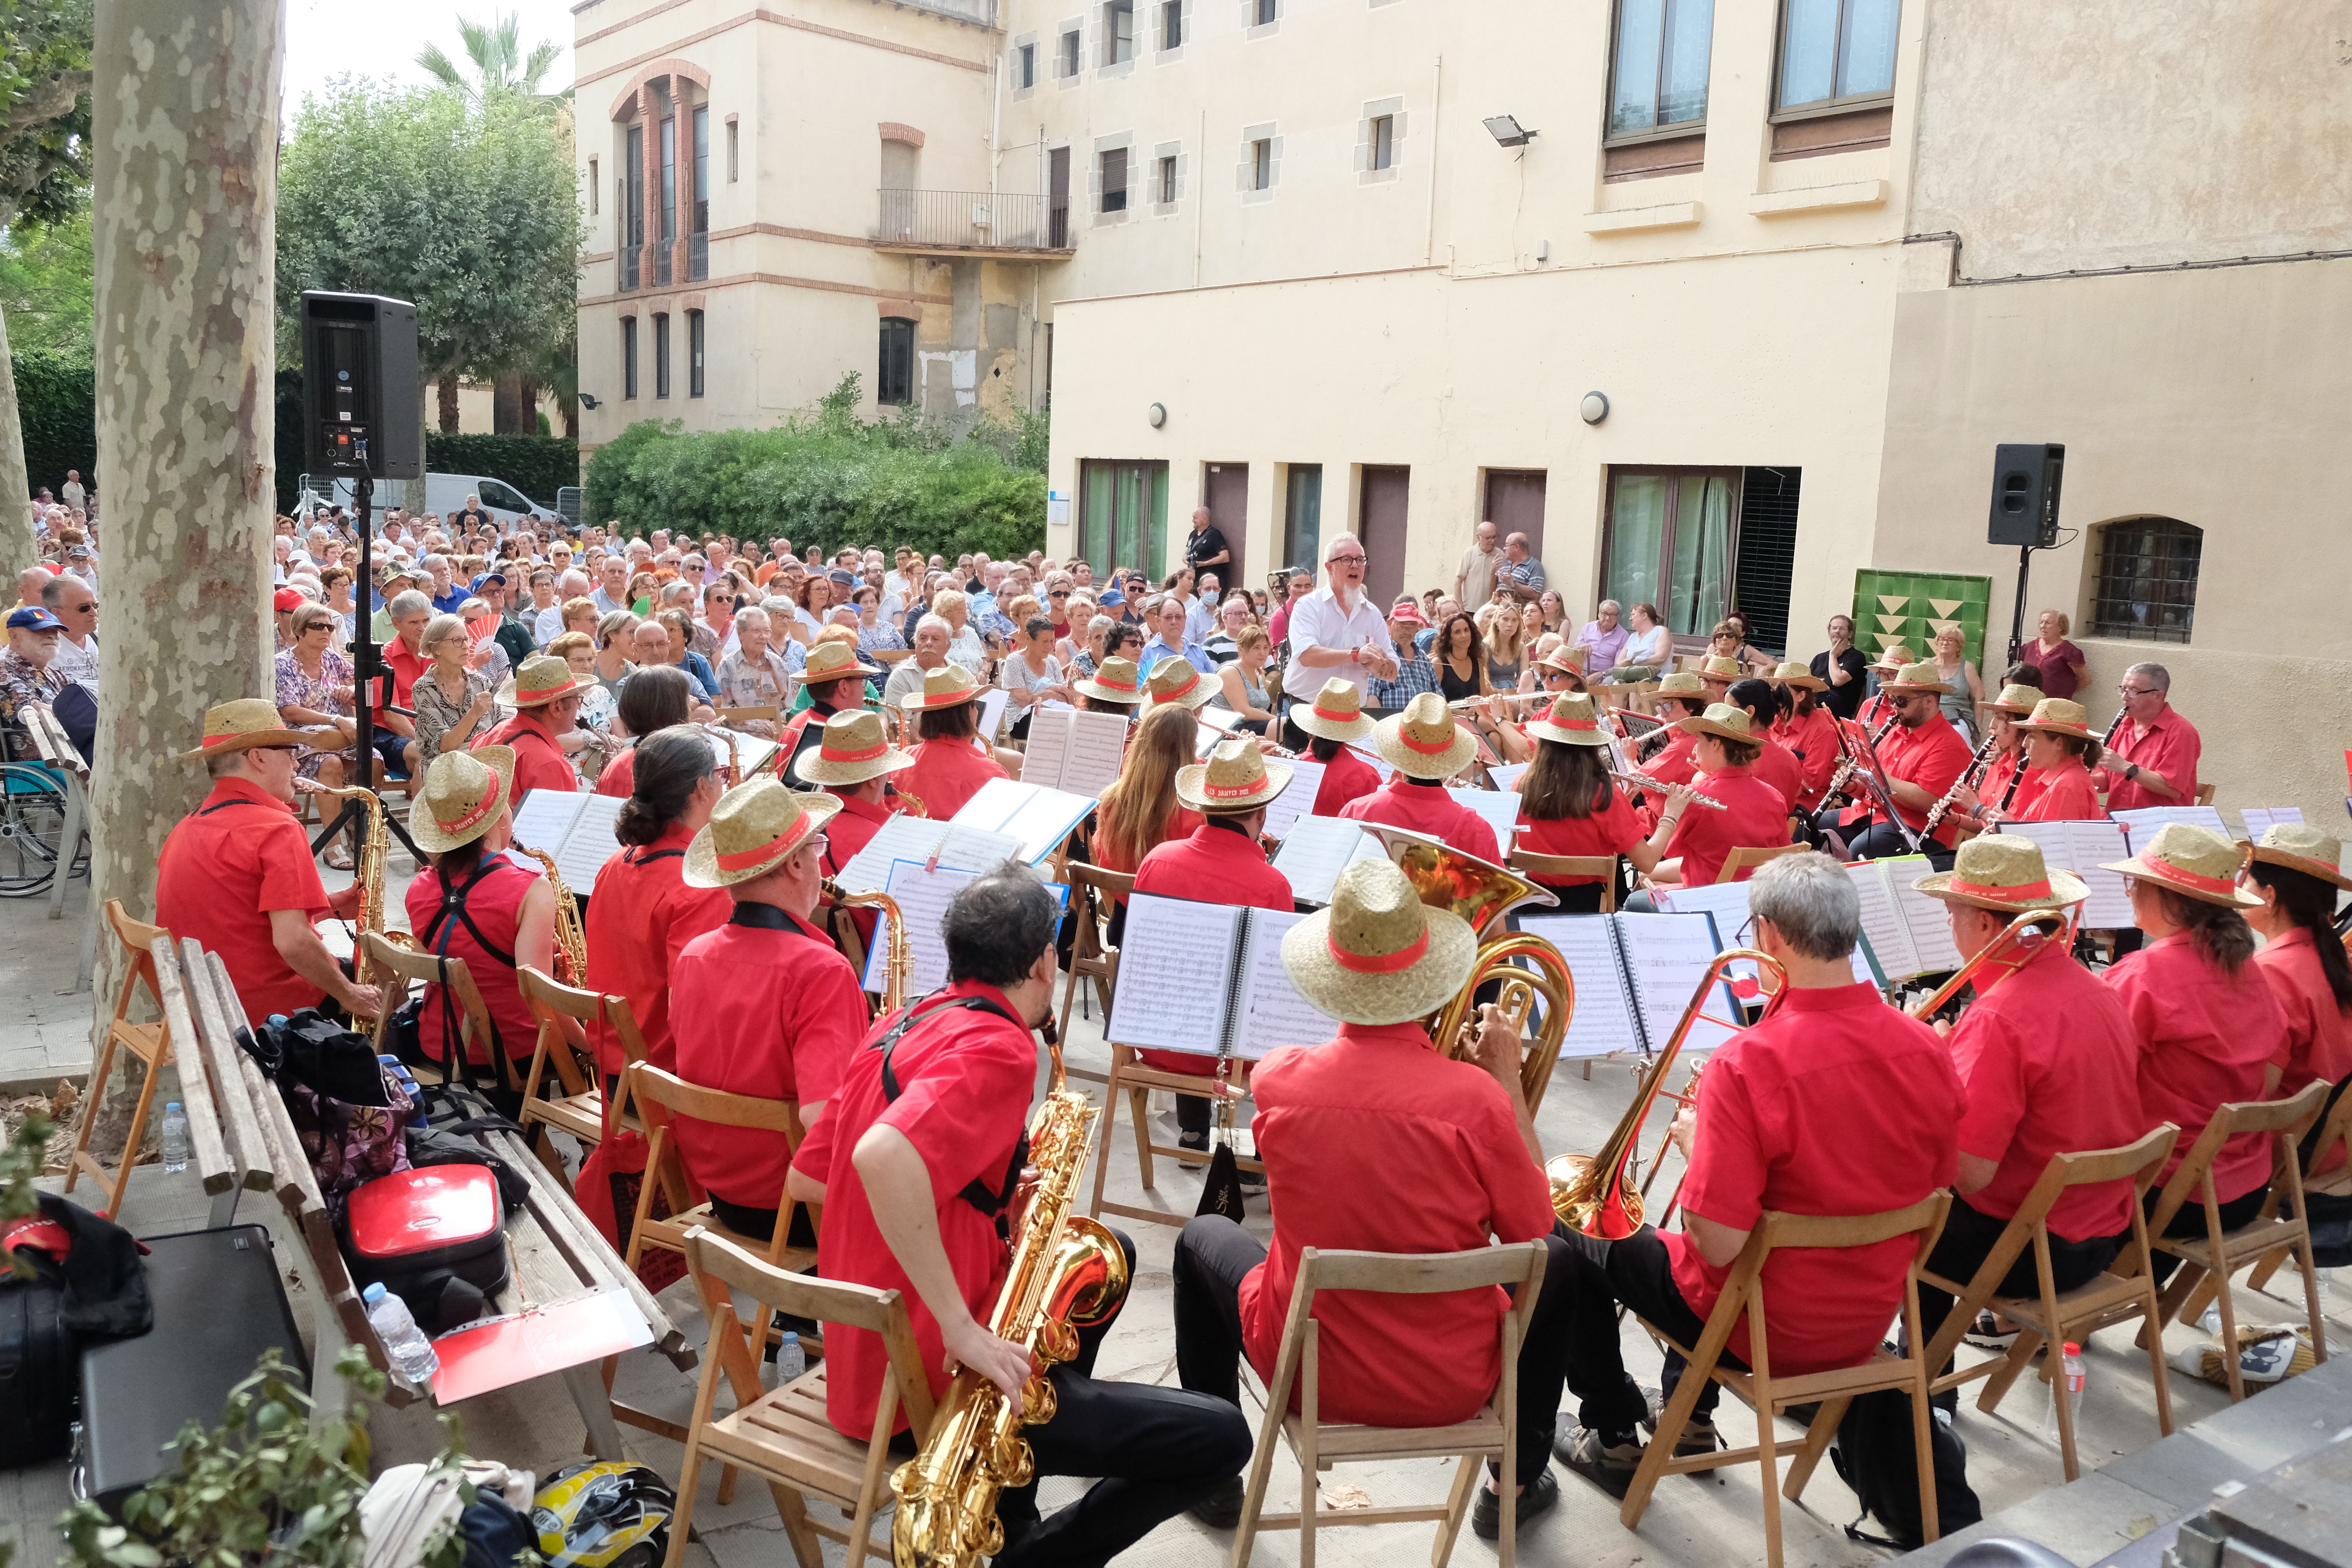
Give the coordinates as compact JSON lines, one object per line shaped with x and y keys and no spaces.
{"x":1968,"y":778}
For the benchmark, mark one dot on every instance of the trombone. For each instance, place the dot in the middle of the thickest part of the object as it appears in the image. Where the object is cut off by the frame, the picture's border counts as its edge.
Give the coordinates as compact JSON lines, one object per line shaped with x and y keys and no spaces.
{"x":2023,"y":938}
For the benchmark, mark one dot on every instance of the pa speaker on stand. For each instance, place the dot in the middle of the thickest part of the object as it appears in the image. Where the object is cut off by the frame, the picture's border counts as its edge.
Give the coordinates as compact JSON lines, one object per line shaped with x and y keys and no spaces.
{"x":2026,"y":477}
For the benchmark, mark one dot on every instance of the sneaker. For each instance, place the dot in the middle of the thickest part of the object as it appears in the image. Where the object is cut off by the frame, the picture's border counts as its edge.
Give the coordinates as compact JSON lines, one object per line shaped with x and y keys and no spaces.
{"x":1609,"y":1466}
{"x":1536,"y":1498}
{"x":1221,"y":1508}
{"x":1199,"y":1140}
{"x":1986,"y":1335}
{"x":1699,"y":1435}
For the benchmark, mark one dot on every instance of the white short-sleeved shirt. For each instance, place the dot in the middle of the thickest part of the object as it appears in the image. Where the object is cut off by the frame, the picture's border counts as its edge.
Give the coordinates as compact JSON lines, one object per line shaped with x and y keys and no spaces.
{"x":1317,"y":621}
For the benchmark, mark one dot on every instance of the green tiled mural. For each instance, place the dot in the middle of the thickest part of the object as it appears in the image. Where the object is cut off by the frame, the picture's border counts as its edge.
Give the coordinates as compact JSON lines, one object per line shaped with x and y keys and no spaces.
{"x":1911,"y":608}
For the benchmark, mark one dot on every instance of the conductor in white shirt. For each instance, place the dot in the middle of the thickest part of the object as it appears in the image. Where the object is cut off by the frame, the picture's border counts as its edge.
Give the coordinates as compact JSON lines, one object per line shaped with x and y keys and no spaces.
{"x":1335,"y":632}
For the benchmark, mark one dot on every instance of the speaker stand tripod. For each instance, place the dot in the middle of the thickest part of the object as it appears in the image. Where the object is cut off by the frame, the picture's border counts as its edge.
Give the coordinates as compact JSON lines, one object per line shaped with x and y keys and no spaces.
{"x":366,"y":666}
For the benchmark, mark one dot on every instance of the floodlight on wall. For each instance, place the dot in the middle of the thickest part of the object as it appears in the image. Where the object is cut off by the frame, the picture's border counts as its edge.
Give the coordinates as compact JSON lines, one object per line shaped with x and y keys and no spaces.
{"x":1506,"y":131}
{"x":1594,"y":408}
{"x":588,"y":401}
{"x":1157,"y":415}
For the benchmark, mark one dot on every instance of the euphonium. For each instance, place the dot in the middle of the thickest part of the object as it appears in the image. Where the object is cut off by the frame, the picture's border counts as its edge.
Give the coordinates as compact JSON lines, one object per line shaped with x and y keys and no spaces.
{"x":367,"y":870}
{"x":1067,"y":1272}
{"x":1482,"y":893}
{"x":896,"y":960}
{"x":2023,"y":935}
{"x":1590,"y":1190}
{"x":570,"y":940}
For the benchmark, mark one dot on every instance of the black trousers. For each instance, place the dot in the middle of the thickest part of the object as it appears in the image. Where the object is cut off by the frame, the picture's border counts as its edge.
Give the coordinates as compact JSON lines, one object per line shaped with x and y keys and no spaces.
{"x":2190,"y":1221}
{"x":761,"y":1224}
{"x":1967,"y":1240}
{"x":1575,"y":1331}
{"x":1156,"y":1450}
{"x":1213,"y":1255}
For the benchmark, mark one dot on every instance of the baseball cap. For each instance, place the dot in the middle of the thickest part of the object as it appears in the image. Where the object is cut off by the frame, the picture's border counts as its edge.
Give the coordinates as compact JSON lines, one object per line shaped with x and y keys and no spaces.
{"x":1408,"y":612}
{"x":498,"y":577}
{"x":33,"y":618}
{"x":1112,"y":596}
{"x":288,"y":599}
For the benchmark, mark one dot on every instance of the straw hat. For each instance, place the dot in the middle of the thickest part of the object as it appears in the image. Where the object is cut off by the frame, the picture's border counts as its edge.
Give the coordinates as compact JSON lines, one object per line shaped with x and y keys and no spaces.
{"x":2004,"y":873}
{"x":1335,"y":714}
{"x":1174,"y":680}
{"x":942,"y":688}
{"x":1234,"y":781}
{"x":1723,"y":722}
{"x":1681,"y":683}
{"x":241,"y":725}
{"x":2195,"y":862}
{"x":540,"y":680}
{"x":1378,"y":954}
{"x":1798,"y":676}
{"x":1915,"y":680}
{"x":2056,"y":716}
{"x":1897,"y":656}
{"x":852,"y":752}
{"x":1114,"y":680}
{"x":1565,"y":662}
{"x":1424,"y":742}
{"x":464,"y":792}
{"x":1570,"y":721}
{"x":834,"y":661}
{"x":2299,"y":847}
{"x":1719,"y":666}
{"x":2016,"y":701}
{"x":752,"y":830}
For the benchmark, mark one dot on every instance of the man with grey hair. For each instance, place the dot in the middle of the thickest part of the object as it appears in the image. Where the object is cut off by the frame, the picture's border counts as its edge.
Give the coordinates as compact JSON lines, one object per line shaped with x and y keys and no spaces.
{"x":754,"y":675}
{"x":75,"y":605}
{"x":1474,"y":578}
{"x":932,"y":636}
{"x":2151,"y":759}
{"x":1832,"y":1104}
{"x":1521,"y":573}
{"x":1603,"y":639}
{"x":1335,"y":633}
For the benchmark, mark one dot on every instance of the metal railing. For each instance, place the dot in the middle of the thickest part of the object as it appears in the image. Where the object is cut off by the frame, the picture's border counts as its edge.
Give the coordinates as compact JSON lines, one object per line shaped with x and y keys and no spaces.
{"x":698,"y":257}
{"x":966,"y":220}
{"x":630,"y":255}
{"x":663,"y":254}
{"x":981,"y":13}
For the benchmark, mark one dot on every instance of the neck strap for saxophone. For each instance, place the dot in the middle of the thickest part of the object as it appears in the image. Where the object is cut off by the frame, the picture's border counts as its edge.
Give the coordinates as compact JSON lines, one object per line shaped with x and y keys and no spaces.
{"x":990,"y":1202}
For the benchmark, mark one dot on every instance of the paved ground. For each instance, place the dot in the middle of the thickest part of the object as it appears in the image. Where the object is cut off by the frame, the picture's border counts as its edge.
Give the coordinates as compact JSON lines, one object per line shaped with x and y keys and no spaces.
{"x":46,"y":1032}
{"x":1692,"y":1522}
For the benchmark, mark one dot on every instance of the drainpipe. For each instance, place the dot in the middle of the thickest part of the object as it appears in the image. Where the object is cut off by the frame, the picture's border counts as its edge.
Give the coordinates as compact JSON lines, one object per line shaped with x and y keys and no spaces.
{"x":1429,"y":236}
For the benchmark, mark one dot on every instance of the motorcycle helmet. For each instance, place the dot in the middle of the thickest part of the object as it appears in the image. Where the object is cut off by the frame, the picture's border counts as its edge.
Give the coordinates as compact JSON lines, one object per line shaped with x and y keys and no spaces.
{"x":605,"y":1514}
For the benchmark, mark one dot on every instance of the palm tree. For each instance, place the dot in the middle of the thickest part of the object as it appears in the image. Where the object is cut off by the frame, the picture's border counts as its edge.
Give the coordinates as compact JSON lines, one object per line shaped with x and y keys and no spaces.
{"x":501,"y":67}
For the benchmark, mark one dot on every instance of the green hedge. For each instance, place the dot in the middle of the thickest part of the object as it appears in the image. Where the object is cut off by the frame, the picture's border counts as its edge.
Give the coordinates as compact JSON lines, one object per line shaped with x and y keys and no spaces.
{"x":538,"y":466}
{"x":57,"y":409}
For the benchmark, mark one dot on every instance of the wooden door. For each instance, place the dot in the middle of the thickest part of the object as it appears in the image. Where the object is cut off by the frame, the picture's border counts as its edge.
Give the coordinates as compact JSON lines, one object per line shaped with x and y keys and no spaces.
{"x":1515,"y":504}
{"x":1225,"y":492}
{"x":1380,"y":526}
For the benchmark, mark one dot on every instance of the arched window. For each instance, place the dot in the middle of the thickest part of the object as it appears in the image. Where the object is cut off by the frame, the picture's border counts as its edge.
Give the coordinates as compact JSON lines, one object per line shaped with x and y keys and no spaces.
{"x":2146,"y":584}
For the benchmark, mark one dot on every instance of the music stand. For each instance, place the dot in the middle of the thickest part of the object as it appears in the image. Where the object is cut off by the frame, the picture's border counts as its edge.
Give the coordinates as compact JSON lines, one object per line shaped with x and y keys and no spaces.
{"x":364,"y":669}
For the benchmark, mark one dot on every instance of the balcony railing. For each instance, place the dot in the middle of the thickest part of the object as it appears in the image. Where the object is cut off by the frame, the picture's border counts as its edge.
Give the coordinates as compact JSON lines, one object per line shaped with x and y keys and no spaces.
{"x":663,"y":252}
{"x":981,"y":13}
{"x":966,"y":221}
{"x":698,"y":257}
{"x":630,"y":255}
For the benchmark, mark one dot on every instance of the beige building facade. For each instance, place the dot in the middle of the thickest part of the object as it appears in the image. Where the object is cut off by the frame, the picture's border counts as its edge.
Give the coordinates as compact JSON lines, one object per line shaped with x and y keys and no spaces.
{"x":1362,"y":264}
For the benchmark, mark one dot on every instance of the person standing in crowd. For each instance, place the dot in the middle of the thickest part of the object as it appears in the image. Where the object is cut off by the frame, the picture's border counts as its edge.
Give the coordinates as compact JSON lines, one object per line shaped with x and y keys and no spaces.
{"x":1841,"y":670}
{"x":2153,"y":760}
{"x":1475,"y":574}
{"x":2060,"y":661}
{"x":1603,"y":639}
{"x":545,"y":696}
{"x":950,"y":760}
{"x":1521,"y":573}
{"x":1425,"y":747}
{"x":1296,"y":586}
{"x":1205,"y":546}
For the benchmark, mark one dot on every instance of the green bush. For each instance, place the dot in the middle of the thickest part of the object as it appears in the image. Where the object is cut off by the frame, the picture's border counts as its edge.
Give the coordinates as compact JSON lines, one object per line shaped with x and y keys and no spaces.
{"x":57,"y":409}
{"x":538,"y":466}
{"x":827,"y":479}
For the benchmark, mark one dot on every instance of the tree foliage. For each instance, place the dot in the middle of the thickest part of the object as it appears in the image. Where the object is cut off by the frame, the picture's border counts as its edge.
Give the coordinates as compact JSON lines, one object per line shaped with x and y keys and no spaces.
{"x":500,"y":67}
{"x":469,"y":211}
{"x":827,"y":479}
{"x":48,"y":289}
{"x":43,"y":107}
{"x":57,"y":410}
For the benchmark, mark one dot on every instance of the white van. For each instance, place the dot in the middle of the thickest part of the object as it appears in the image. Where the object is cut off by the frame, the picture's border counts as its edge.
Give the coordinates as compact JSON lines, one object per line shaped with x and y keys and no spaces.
{"x":444,"y":493}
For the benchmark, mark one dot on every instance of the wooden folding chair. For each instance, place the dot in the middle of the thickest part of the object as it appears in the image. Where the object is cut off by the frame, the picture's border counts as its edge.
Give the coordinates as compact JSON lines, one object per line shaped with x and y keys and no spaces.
{"x":1601,"y":866}
{"x":1832,"y":1390}
{"x":2335,"y":1136}
{"x":1091,"y":889}
{"x":407,"y":966}
{"x":1319,"y":1445}
{"x":578,"y":1110}
{"x":151,"y":1043}
{"x":2221,"y":1253}
{"x":2116,"y":1295}
{"x":1131,"y":1077}
{"x":736,"y":717}
{"x":1747,"y":857}
{"x":784,"y":1435}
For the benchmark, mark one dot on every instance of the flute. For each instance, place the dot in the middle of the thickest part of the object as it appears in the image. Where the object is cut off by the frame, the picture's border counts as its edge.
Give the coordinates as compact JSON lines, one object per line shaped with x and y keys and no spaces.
{"x":1460,"y":703}
{"x":1637,"y":783}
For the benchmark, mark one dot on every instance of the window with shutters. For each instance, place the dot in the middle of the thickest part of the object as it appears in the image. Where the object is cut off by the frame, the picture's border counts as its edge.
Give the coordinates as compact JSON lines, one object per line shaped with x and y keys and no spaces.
{"x":1114,"y":180}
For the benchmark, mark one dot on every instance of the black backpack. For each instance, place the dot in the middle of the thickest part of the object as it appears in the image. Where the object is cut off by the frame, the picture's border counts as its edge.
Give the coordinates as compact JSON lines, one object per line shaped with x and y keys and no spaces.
{"x":1876,"y":1455}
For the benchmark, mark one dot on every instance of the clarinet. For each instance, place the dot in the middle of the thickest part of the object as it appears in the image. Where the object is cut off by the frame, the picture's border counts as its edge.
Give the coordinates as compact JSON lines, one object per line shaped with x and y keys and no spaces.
{"x":1967,"y":778}
{"x":2015,"y":779}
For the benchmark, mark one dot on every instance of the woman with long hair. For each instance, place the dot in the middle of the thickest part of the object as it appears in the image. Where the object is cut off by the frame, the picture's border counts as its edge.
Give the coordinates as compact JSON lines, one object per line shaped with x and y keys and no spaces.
{"x":1139,"y":811}
{"x":1506,"y":648}
{"x":2209,"y":1026}
{"x":1568,"y":804}
{"x":1460,"y":659}
{"x":2297,"y":872}
{"x":652,"y":701}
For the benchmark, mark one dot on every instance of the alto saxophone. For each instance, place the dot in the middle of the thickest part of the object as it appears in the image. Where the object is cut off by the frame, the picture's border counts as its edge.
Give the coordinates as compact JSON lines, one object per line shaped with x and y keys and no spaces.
{"x":1067,"y":1272}
{"x":570,"y":938}
{"x":897,"y":961}
{"x":367,"y":871}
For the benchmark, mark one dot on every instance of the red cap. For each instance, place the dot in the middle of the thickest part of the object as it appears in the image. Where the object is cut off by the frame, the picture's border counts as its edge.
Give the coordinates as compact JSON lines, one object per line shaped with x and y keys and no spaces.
{"x":289,"y":599}
{"x":1408,"y":613}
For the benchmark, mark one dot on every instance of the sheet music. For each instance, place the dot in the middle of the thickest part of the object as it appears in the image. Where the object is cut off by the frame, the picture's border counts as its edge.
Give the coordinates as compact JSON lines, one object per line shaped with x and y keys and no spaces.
{"x":2260,"y":819}
{"x":2145,"y":819}
{"x":1665,"y":955}
{"x":992,"y":703}
{"x":914,"y":838}
{"x":1272,"y":1013}
{"x":590,"y":842}
{"x":1298,"y":797}
{"x":1931,"y":927}
{"x":1500,"y":810}
{"x":1507,"y":777}
{"x":1603,"y":1020}
{"x":1175,"y":975}
{"x":1044,"y":820}
{"x":2081,"y":847}
{"x":1216,"y":718}
{"x":1097,"y":744}
{"x":750,"y":751}
{"x":1381,"y":765}
{"x":543,"y":818}
{"x":1883,"y":921}
{"x":1317,"y":849}
{"x":1735,"y":927}
{"x":993,"y":802}
{"x":1049,"y":747}
{"x":923,"y":897}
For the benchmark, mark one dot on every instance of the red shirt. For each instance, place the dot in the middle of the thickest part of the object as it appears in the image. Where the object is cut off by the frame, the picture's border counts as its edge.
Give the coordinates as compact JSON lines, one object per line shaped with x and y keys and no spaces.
{"x":239,"y":855}
{"x":619,"y":778}
{"x":2204,"y":1039}
{"x":947,"y":773}
{"x":1995,"y":784}
{"x":1675,"y":764}
{"x":641,"y":915}
{"x":1704,"y":838}
{"x":1217,"y":866}
{"x":857,"y":822}
{"x":1609,"y":830}
{"x":966,"y":1078}
{"x":495,"y":904}
{"x":405,"y":667}
{"x":1776,"y":767}
{"x":2318,"y":1039}
{"x":1346,"y":777}
{"x":2063,"y":795}
{"x":1812,"y":741}
{"x":2050,"y":1065}
{"x":770,"y":1014}
{"x":1426,"y":808}
{"x":1375,"y":1142}
{"x":1834,"y":1103}
{"x":539,"y":762}
{"x":1930,"y":756}
{"x":2169,"y":746}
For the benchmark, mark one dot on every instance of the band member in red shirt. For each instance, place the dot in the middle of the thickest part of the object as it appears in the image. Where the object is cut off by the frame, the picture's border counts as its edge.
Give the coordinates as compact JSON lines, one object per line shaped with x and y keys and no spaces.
{"x":764,"y":1005}
{"x":1679,"y":696}
{"x":2296,"y":872}
{"x":915,"y":1165}
{"x":1697,"y":839}
{"x":1833,"y":1104}
{"x":1775,"y":763}
{"x":1568,"y":806}
{"x":1376,"y":1141}
{"x":651,"y":700}
{"x":1425,"y":747}
{"x":1220,"y":862}
{"x":1170,"y":686}
{"x":949,"y":763}
{"x":853,"y":763}
{"x":2049,"y":1064}
{"x":642,"y":912}
{"x":545,"y":696}
{"x":1509,"y":738}
{"x":2153,"y":760}
{"x":2059,"y":743}
{"x":237,"y":877}
{"x":1716,"y":672}
{"x":2209,"y":1025}
{"x":834,"y":678}
{"x":1114,"y":687}
{"x":1983,"y":807}
{"x":1921,"y":756}
{"x":1333,"y":719}
{"x":1808,"y":730}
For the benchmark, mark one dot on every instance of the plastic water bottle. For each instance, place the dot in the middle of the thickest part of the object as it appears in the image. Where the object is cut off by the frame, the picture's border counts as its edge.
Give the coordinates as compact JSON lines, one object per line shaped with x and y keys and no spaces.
{"x":175,"y":1137}
{"x":790,"y":1361}
{"x":2070,"y":1367}
{"x":403,"y":1342}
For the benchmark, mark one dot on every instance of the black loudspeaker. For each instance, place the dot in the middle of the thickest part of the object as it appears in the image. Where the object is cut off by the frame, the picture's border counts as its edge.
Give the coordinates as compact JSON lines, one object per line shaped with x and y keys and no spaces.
{"x":2025,"y":494}
{"x":362,"y":412}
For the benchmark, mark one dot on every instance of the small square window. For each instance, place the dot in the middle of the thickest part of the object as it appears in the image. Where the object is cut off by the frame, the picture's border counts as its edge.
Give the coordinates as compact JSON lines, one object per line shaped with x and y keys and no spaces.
{"x":1172,"y":24}
{"x":1383,"y":148}
{"x":1070,"y":53}
{"x":1027,"y":68}
{"x":1114,"y":180}
{"x":1168,"y":180}
{"x":1261,"y":163}
{"x":1265,"y":12}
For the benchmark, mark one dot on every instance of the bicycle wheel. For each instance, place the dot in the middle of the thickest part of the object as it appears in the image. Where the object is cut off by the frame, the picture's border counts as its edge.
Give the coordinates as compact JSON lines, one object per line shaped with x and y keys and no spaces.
{"x":31,"y":824}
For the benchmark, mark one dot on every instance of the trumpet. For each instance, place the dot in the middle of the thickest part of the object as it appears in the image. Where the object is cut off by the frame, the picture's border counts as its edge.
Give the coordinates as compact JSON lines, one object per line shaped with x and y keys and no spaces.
{"x":1636,"y":781}
{"x":2023,"y":936}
